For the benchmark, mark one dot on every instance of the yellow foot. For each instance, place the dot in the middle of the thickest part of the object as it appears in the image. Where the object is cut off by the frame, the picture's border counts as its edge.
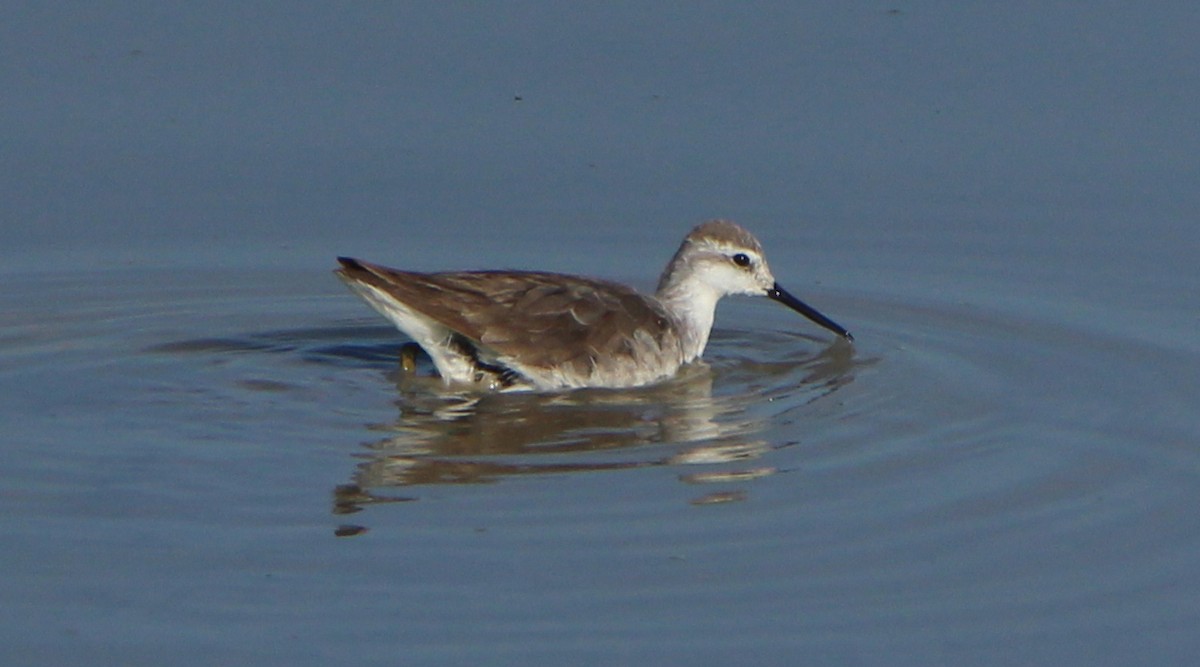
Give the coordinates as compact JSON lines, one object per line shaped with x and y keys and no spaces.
{"x":408,"y":357}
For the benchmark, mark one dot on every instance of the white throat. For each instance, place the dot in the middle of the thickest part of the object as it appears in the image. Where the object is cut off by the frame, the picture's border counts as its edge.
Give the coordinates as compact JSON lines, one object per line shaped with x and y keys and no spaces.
{"x":693,"y":304}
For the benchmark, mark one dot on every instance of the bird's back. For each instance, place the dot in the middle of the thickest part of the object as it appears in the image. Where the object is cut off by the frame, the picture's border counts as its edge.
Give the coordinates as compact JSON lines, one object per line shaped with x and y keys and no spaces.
{"x":553,"y":330}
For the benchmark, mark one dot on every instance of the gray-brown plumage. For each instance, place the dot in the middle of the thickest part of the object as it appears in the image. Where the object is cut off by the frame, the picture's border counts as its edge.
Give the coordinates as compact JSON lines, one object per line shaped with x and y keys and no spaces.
{"x":533,"y":330}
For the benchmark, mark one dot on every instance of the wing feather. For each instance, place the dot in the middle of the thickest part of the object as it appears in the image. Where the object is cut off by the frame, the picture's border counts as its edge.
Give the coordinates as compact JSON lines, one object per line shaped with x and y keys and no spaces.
{"x":532,"y":319}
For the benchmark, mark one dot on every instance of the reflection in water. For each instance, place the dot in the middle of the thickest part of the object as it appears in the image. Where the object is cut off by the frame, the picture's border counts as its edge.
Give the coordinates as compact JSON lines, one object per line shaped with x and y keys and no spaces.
{"x":448,"y":437}
{"x":719,"y":497}
{"x":711,"y":414}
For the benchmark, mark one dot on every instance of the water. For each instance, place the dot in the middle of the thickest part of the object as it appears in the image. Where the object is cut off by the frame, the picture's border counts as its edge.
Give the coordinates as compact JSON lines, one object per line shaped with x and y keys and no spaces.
{"x":210,"y":455}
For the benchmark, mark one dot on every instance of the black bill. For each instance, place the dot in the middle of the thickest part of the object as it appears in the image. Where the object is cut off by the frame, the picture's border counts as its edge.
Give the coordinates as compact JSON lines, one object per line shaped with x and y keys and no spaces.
{"x":782,"y":296}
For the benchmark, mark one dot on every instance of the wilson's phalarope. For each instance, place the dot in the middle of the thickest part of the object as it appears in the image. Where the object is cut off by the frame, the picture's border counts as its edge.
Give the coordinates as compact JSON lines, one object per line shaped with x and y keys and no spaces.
{"x":529,"y":330}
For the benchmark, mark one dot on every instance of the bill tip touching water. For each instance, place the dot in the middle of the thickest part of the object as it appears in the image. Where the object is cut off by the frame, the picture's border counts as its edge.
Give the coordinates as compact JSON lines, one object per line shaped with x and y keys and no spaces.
{"x":512,"y":330}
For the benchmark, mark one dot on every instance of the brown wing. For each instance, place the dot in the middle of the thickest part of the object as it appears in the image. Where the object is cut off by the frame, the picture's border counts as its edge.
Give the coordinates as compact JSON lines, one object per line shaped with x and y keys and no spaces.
{"x":541,"y":320}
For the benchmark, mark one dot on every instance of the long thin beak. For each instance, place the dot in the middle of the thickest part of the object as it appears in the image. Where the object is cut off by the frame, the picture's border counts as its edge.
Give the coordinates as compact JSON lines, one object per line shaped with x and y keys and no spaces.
{"x":782,"y":296}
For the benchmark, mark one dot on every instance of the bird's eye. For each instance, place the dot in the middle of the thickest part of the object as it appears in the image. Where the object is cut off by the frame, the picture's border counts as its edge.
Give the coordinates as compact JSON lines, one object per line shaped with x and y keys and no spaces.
{"x":741,"y":259}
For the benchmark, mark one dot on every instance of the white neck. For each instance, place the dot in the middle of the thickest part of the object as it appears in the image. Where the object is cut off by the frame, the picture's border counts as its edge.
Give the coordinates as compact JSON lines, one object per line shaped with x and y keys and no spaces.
{"x":693,"y":304}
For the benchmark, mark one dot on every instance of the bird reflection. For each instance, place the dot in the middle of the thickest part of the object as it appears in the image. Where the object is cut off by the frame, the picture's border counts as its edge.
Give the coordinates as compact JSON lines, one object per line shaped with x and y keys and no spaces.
{"x":444,"y":437}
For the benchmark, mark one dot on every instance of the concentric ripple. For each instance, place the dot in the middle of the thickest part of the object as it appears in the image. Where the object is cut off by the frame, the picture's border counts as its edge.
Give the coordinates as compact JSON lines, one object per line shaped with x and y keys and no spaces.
{"x":963,"y":473}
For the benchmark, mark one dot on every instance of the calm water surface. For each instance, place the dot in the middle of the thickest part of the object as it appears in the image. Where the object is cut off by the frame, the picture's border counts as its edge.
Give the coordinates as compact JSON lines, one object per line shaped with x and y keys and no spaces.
{"x":229,"y":465}
{"x":208,"y":454}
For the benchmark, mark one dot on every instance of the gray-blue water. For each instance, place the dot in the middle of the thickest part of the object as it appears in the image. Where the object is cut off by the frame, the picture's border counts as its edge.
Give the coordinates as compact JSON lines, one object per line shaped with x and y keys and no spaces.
{"x":209,"y":456}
